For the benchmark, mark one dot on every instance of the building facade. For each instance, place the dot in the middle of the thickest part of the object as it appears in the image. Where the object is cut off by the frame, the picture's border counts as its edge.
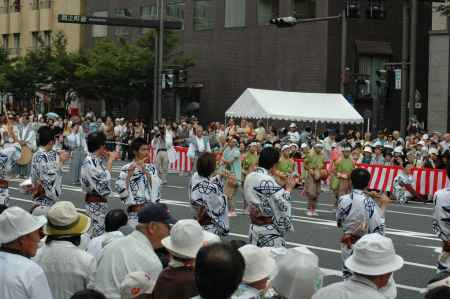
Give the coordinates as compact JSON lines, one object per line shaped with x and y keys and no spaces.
{"x":235,"y":47}
{"x":26,"y":24}
{"x":439,"y":73}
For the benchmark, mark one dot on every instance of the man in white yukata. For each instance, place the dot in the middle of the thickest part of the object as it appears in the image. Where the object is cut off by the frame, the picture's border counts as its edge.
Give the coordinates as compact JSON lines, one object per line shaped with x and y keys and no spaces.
{"x":95,"y":181}
{"x":199,"y":144}
{"x":46,"y":169}
{"x":441,"y":224}
{"x":207,"y":199}
{"x":9,"y":154}
{"x":138,"y":182}
{"x":403,"y":185}
{"x":269,"y":204}
{"x":373,"y":262}
{"x":358,"y":214}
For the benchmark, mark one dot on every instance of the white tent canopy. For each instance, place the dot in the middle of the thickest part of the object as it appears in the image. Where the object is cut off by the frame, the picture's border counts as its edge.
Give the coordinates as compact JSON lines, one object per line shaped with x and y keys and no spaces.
{"x":294,"y":106}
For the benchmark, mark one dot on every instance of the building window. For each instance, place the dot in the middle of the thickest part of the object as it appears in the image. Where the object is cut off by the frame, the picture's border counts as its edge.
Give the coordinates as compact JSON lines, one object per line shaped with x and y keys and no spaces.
{"x":376,"y":9}
{"x":16,"y":42}
{"x":45,"y":4}
{"x":35,"y":39}
{"x":234,"y":13}
{"x":149,"y":12}
{"x":5,"y":41}
{"x":175,"y":10}
{"x":352,"y":8}
{"x":47,"y":38}
{"x":122,"y":12}
{"x":304,"y":9}
{"x":100,"y":30}
{"x":267,"y":9}
{"x":204,"y":15}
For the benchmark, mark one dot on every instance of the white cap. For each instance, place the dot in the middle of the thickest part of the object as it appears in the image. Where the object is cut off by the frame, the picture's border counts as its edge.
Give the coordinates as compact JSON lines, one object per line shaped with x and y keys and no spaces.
{"x":373,"y":255}
{"x":368,"y":149}
{"x":136,"y":284}
{"x":185,"y":240}
{"x":377,"y":144}
{"x":334,"y":144}
{"x":318,"y":144}
{"x":15,"y":222}
{"x":398,"y":150}
{"x":304,"y":145}
{"x":425,"y":137}
{"x":433,"y":151}
{"x":258,"y":263}
{"x":292,"y":125}
{"x":286,"y":147}
{"x":299,"y":275}
{"x":388,"y":146}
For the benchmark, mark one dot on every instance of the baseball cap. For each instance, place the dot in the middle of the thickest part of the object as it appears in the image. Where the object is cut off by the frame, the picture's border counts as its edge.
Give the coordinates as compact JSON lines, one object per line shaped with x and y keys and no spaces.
{"x":156,"y":212}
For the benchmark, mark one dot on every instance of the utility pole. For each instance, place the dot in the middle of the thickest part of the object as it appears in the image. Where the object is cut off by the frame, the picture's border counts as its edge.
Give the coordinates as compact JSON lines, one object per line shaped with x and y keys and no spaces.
{"x":161,"y":56}
{"x":343,"y":50}
{"x":412,"y":72}
{"x":156,"y":71}
{"x":404,"y":97}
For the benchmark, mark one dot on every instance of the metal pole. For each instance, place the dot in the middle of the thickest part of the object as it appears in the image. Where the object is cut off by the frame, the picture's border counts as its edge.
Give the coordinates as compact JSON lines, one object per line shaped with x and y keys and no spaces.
{"x":343,"y":49}
{"x":161,"y":55}
{"x":404,"y":98}
{"x":155,"y":81}
{"x":412,"y":71}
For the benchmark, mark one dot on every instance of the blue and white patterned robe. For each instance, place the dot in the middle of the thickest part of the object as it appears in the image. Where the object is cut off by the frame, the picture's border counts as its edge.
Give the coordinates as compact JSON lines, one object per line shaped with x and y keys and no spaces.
{"x":9,"y":154}
{"x":207,"y":193}
{"x":441,"y":224}
{"x":358,"y":214}
{"x":140,"y":189}
{"x":95,"y":178}
{"x":266,"y":196}
{"x":45,"y":170}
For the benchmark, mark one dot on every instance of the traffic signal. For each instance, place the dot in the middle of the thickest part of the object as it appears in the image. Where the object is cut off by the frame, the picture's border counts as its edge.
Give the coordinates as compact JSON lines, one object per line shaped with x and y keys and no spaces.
{"x":284,"y":22}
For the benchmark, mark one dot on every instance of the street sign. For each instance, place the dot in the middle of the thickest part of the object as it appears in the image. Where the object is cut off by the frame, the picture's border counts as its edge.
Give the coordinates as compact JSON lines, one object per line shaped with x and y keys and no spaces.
{"x":398,"y":79}
{"x":121,"y":22}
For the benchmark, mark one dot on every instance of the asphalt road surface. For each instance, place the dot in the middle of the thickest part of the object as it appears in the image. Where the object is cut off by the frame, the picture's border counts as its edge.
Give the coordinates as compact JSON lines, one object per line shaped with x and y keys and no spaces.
{"x":409,"y":226}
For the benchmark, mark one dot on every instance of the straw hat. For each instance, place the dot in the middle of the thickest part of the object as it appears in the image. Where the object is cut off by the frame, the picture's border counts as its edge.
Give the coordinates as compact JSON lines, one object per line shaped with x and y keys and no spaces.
{"x":65,"y":220}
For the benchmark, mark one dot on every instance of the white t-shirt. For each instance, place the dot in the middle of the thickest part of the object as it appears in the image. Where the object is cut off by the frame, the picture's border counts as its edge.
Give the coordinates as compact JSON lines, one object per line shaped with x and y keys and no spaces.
{"x":21,"y":278}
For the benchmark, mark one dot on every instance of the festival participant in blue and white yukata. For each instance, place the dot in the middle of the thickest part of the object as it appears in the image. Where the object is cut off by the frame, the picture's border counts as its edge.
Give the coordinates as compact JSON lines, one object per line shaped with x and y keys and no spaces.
{"x":46,"y":169}
{"x":359,"y":213}
{"x":95,"y":181}
{"x":27,"y":138}
{"x":206,"y":196}
{"x":269,"y":203}
{"x":9,"y":154}
{"x":138,"y":182}
{"x":441,"y":224}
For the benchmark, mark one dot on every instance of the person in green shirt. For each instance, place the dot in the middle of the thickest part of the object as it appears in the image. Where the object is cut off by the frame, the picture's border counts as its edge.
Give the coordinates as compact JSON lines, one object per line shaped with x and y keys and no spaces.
{"x":314,"y":165}
{"x":250,"y":161}
{"x":285,"y":166}
{"x":340,"y":181}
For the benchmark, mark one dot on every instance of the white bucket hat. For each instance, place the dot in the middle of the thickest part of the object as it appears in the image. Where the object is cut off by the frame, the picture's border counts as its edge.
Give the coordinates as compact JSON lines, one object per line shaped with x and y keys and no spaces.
{"x":292,"y":125}
{"x":398,"y":150}
{"x":299,"y":275}
{"x":210,"y":238}
{"x":373,"y":255}
{"x":15,"y":222}
{"x":185,"y":240}
{"x":258,"y":263}
{"x":136,"y":284}
{"x":368,"y":149}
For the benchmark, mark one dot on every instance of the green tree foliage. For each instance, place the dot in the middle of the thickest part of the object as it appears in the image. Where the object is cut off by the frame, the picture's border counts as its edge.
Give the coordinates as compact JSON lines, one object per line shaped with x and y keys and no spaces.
{"x":112,"y":70}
